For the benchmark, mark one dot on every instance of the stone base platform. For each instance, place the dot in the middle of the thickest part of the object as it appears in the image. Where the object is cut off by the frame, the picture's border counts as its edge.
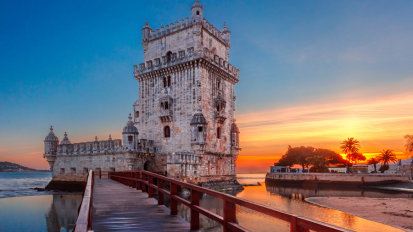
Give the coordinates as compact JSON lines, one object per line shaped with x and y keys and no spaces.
{"x":72,"y":186}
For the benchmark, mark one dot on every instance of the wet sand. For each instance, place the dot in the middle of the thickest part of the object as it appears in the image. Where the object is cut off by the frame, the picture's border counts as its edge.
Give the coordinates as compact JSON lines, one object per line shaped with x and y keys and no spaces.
{"x":396,"y":212}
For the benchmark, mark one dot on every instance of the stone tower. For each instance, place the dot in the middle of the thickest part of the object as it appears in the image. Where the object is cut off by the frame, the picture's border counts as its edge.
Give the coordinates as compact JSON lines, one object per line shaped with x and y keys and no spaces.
{"x":186,"y":98}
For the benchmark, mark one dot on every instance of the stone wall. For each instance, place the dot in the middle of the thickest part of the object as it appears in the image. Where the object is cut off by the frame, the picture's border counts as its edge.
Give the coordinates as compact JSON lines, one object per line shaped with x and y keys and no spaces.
{"x":335,"y":179}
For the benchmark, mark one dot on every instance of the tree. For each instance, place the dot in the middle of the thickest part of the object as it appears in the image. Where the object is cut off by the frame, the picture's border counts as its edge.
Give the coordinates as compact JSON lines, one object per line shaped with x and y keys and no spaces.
{"x":356,"y":157}
{"x":409,"y":144}
{"x":295,"y":155}
{"x":373,"y":161}
{"x":321,"y":158}
{"x":348,"y":147}
{"x":385,"y":157}
{"x":409,"y":150}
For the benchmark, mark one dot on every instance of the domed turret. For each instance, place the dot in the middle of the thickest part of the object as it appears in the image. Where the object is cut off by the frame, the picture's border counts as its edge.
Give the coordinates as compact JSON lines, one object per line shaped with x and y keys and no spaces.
{"x":130,"y":128}
{"x":50,"y":142}
{"x":65,"y":140}
{"x":130,"y":135}
{"x":146,"y":31}
{"x":234,"y":136}
{"x":196,"y":11}
{"x":226,"y":34}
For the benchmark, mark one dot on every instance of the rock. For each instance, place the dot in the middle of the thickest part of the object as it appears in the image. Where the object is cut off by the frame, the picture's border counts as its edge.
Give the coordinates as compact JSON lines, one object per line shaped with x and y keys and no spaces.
{"x":40,"y":189}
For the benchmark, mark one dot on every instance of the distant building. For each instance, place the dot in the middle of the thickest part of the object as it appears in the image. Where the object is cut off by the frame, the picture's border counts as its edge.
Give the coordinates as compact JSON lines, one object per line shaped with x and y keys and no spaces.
{"x":337,"y":169}
{"x":285,"y":169}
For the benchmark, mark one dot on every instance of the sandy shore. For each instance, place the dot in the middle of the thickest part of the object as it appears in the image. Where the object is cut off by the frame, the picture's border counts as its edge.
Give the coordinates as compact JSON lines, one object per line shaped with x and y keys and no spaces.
{"x":396,"y":212}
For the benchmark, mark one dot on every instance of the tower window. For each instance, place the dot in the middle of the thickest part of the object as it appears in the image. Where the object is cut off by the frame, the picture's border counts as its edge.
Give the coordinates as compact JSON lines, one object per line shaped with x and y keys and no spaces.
{"x":197,"y":13}
{"x":168,"y":56}
{"x":219,"y":133}
{"x":166,"y":106}
{"x":169,"y":81}
{"x":200,"y":129}
{"x":136,"y":114}
{"x":218,"y":84}
{"x":164,"y":82}
{"x":130,"y":138}
{"x":167,"y":132}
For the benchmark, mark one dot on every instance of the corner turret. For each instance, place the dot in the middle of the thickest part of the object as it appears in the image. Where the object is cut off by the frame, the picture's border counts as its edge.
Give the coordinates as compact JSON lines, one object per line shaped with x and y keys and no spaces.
{"x":50,"y":143}
{"x":130,"y":135}
{"x":197,"y":12}
{"x":146,"y":31}
{"x":226,"y":34}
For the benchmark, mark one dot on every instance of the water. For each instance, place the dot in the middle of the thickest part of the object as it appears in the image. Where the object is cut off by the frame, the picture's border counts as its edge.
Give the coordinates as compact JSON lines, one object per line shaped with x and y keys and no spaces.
{"x":58,"y":211}
{"x":290,"y":199}
{"x":17,"y":184}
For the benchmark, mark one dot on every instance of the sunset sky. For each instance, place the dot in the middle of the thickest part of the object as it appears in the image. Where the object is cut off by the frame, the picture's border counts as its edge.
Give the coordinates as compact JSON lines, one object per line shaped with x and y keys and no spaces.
{"x":311,"y":72}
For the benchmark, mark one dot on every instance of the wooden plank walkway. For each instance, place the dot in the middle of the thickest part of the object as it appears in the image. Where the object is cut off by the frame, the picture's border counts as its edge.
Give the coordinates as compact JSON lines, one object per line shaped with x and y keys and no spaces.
{"x":117,"y":207}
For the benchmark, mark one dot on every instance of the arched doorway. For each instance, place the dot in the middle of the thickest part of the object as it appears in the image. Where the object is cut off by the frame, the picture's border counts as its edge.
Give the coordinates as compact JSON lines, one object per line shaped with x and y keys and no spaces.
{"x":147,"y":166}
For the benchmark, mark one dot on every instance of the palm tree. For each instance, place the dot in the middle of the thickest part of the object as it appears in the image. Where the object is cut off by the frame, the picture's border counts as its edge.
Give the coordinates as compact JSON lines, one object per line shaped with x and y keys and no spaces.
{"x":373,"y":161}
{"x":387,"y":156}
{"x":349,"y":147}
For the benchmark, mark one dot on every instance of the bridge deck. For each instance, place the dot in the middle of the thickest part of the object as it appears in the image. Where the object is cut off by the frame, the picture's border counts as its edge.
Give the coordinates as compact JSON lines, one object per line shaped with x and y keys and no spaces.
{"x":117,"y":207}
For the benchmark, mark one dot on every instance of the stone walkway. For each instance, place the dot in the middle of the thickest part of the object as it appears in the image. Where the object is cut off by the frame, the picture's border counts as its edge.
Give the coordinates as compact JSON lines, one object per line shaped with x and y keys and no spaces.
{"x":117,"y":207}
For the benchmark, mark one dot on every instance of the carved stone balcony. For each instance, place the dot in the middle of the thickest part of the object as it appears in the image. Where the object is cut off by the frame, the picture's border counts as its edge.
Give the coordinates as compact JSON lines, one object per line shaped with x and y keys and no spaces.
{"x":166,"y":115}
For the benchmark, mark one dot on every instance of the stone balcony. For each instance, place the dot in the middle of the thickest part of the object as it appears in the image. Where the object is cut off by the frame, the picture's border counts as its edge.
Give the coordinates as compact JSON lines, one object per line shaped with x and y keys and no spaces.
{"x":165,"y":115}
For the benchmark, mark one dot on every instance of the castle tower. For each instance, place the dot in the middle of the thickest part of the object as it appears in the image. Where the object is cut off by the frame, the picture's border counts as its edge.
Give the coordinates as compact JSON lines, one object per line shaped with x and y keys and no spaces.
{"x":186,"y":97}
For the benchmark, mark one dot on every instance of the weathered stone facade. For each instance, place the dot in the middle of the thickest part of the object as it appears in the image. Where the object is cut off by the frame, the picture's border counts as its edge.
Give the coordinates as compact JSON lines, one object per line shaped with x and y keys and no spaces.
{"x":184,"y":117}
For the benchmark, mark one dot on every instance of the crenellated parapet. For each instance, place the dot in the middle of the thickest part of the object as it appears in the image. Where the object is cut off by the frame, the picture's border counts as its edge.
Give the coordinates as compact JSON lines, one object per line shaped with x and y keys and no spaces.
{"x":150,"y":34}
{"x":215,"y":62}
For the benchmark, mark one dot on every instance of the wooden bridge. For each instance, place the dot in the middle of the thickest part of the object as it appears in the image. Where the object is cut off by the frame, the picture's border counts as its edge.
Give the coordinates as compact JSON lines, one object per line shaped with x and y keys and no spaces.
{"x":124,"y":202}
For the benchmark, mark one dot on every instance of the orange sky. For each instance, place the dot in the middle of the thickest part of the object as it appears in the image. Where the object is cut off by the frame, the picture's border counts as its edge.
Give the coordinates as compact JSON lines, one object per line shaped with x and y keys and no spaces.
{"x":378,"y":124}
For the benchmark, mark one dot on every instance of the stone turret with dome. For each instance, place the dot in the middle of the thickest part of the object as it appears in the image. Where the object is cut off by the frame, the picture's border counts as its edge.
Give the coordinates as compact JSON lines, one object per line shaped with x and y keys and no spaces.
{"x":65,"y":140}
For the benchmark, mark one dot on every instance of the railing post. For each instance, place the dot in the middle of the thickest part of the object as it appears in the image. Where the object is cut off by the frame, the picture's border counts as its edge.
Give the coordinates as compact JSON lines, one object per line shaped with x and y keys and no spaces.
{"x":143,"y":184}
{"x":138,"y":183}
{"x":194,"y":214}
{"x":160,"y":195}
{"x":229,"y":213}
{"x":150,"y":189}
{"x":174,"y":203}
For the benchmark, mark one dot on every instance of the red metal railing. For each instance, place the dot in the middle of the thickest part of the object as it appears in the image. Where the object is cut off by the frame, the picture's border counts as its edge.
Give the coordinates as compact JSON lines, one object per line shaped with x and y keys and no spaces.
{"x":84,"y":220}
{"x":144,"y":180}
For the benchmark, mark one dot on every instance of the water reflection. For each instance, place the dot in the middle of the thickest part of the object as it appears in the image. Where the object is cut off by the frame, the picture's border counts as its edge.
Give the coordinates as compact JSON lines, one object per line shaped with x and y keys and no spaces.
{"x":292,"y":199}
{"x":62,"y":214}
{"x":51,"y":213}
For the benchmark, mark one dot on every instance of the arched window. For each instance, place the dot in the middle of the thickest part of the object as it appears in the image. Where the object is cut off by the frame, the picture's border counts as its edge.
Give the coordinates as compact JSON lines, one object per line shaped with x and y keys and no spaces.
{"x":136,"y":114}
{"x":130,"y":138}
{"x":168,"y":56}
{"x":219,"y":133}
{"x":197,"y":13}
{"x":166,"y":106}
{"x":167,"y":132}
{"x":218,"y":84}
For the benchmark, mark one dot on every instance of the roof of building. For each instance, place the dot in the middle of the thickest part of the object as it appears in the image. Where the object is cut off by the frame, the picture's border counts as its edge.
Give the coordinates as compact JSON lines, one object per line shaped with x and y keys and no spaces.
{"x":51,"y":137}
{"x":198,"y":118}
{"x":197,"y":4}
{"x":65,"y":140}
{"x":130,"y":128}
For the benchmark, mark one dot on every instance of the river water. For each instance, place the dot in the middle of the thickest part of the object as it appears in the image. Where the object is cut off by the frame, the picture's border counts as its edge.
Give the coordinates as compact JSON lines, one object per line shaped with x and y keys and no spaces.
{"x":52,"y":211}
